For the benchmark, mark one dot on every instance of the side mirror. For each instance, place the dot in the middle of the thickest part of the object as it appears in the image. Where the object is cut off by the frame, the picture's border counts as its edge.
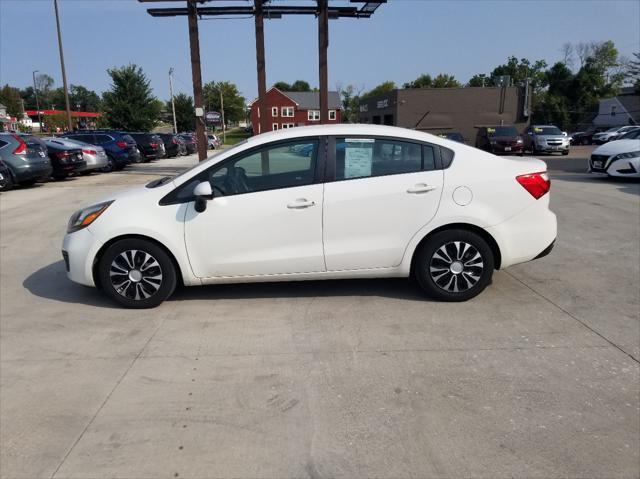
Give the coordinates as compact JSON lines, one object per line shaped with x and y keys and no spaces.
{"x":564,"y":133}
{"x":203,"y":193}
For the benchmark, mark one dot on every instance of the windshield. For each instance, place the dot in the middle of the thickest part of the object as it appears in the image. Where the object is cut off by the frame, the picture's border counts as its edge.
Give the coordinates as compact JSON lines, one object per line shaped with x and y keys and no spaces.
{"x":502,"y":131}
{"x":547,"y":130}
{"x":615,"y":128}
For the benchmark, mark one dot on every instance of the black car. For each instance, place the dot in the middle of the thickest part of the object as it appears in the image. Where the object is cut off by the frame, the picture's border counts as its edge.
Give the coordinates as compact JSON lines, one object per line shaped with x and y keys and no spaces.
{"x":172,"y":144}
{"x":6,"y":182}
{"x":64,"y":160}
{"x":453,"y":136}
{"x":586,"y":137}
{"x":190,"y":142}
{"x":150,"y":145}
{"x":119,"y":147}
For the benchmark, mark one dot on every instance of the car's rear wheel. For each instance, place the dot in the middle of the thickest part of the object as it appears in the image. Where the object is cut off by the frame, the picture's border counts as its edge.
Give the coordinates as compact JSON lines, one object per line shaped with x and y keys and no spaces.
{"x":454,"y":265}
{"x":137,"y":273}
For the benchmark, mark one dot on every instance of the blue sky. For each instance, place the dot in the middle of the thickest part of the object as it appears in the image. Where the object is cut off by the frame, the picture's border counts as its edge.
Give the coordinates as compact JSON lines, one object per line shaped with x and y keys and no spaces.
{"x":402,"y":40}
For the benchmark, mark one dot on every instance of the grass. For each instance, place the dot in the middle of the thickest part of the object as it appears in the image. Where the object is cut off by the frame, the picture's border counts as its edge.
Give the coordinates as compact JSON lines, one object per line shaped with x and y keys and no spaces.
{"x":234,"y":135}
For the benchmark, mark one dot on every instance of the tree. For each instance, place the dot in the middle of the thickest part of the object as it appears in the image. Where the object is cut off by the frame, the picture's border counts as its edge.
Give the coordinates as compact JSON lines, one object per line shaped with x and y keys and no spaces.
{"x":298,"y":85}
{"x":83,"y":99}
{"x":567,"y":51}
{"x":479,"y":79}
{"x":185,"y":112}
{"x":445,"y":81}
{"x":384,"y":87}
{"x":10,"y":97}
{"x":633,"y":72}
{"x":234,"y":103}
{"x":520,"y":71}
{"x":282,"y":86}
{"x":559,"y":79}
{"x":130,"y":104}
{"x":423,"y":81}
{"x":350,"y":97}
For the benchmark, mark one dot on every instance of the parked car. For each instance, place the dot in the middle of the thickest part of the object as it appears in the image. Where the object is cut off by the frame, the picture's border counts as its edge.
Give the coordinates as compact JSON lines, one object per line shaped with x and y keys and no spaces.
{"x":171,"y":144}
{"x":65,"y":159}
{"x":6,"y":182}
{"x":620,"y":158}
{"x":586,"y":137}
{"x":213,"y":141}
{"x":26,"y":157}
{"x":94,"y":156}
{"x":500,"y":139}
{"x":546,"y":139}
{"x":376,"y":203}
{"x":630,"y":135}
{"x":610,"y":134}
{"x":189,"y":142}
{"x":150,"y":145}
{"x":119,"y":147}
{"x":453,"y":135}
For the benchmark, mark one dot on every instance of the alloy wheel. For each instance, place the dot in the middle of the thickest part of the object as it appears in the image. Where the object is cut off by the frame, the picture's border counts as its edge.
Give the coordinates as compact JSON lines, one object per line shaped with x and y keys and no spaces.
{"x":135,"y":274}
{"x":456,"y":266}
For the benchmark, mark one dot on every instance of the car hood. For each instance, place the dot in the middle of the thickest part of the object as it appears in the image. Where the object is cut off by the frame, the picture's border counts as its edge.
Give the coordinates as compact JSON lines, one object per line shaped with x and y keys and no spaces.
{"x":617,"y":146}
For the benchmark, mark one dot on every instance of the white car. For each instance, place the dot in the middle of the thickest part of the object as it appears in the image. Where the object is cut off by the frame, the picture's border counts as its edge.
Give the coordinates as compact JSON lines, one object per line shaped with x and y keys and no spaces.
{"x":610,"y":134}
{"x":619,"y":158}
{"x":368,"y":201}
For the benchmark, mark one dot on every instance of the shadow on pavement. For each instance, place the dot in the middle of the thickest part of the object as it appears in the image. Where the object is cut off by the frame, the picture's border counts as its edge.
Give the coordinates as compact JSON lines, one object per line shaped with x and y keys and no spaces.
{"x":51,"y":283}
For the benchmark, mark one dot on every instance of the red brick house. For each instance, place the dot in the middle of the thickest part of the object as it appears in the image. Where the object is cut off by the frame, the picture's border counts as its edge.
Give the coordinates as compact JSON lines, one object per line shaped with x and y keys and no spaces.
{"x":294,"y":108}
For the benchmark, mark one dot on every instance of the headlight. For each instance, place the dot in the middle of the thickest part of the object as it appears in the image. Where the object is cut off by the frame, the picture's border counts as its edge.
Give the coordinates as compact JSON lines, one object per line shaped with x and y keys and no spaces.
{"x":621,"y":156}
{"x":84,"y":217}
{"x":493,"y":142}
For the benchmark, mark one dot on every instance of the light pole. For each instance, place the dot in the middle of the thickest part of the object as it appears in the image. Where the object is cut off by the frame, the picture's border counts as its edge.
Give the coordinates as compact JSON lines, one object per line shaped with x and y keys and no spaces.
{"x":64,"y":73}
{"x":173,"y":105}
{"x":35,"y":90}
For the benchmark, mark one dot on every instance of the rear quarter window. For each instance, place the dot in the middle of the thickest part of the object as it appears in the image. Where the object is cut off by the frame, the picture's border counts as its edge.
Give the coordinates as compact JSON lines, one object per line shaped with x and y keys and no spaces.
{"x":446,"y":157}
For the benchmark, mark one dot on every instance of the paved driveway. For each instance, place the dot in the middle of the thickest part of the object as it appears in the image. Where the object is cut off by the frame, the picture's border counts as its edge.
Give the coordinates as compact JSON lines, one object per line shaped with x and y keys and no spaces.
{"x":537,"y":377}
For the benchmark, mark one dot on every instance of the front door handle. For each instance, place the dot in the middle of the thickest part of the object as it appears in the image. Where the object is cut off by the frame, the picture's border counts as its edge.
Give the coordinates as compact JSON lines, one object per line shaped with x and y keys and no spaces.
{"x":301,"y":203}
{"x":421,"y":188}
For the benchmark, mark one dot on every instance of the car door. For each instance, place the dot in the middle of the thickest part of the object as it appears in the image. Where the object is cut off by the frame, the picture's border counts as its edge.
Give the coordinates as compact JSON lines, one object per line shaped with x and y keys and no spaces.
{"x":266,"y":214}
{"x":383,"y":191}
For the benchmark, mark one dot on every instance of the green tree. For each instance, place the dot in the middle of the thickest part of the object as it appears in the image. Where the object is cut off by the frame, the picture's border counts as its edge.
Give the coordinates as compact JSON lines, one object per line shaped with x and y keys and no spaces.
{"x":298,"y":85}
{"x":234,"y":103}
{"x":520,"y":71}
{"x":423,"y":81}
{"x":185,"y":112}
{"x":633,"y":72}
{"x":83,"y":99}
{"x":10,"y":97}
{"x":479,"y":79}
{"x":350,"y":104}
{"x":445,"y":81}
{"x":130,"y":104}
{"x":559,"y":79}
{"x":384,"y":87}
{"x":282,"y":86}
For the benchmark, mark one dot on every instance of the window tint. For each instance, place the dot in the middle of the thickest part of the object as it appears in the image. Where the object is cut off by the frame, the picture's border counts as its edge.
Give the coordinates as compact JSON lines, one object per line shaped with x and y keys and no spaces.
{"x":3,"y":143}
{"x":363,"y":157}
{"x":100,"y":139}
{"x":446,"y":156}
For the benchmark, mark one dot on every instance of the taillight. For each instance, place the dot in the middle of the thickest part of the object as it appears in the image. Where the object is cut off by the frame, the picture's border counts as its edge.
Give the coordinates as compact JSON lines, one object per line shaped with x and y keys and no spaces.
{"x":63,"y":154}
{"x":153,"y":145}
{"x":174,"y":141}
{"x":537,"y":184}
{"x":121,"y":144}
{"x":90,"y":152}
{"x":22,"y":146}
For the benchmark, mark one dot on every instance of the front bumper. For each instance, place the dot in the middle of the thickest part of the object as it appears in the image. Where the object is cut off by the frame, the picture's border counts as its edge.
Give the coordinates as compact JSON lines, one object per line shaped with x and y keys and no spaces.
{"x":509,"y":149}
{"x":622,"y":168}
{"x":552,"y":148}
{"x":78,"y":251}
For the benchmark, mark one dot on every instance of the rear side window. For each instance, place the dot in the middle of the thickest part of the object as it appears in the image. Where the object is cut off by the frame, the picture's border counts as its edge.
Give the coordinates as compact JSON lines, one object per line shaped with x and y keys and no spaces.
{"x":100,"y":139}
{"x":446,"y":156}
{"x":127,"y":138}
{"x":3,"y":143}
{"x":369,"y":157}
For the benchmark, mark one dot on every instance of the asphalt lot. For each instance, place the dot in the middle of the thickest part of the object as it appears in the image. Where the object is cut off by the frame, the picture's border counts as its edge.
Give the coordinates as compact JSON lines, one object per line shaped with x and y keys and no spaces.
{"x":538,"y":377}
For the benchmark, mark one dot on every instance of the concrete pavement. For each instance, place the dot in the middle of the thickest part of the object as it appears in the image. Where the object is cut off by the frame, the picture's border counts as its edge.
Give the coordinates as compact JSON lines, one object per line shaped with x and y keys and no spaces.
{"x":537,"y":377}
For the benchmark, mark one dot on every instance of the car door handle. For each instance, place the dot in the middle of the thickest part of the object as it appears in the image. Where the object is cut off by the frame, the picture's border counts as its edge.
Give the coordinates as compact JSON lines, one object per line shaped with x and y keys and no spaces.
{"x":300,"y":203}
{"x":421,"y":188}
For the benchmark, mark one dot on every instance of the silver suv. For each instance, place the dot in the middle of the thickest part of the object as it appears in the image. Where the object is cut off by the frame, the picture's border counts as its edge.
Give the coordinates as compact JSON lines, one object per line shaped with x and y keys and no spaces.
{"x":546,"y":139}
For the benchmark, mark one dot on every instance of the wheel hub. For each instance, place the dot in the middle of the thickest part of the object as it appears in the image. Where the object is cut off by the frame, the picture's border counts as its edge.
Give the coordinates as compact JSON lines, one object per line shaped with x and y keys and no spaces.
{"x":456,"y":267}
{"x":135,"y":275}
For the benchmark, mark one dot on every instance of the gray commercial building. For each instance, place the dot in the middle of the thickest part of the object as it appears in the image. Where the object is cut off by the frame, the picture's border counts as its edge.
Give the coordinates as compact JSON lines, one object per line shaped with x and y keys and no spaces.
{"x":440,"y":110}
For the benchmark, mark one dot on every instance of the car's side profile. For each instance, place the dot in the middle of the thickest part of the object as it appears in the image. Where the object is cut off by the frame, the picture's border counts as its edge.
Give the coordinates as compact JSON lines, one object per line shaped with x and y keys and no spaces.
{"x":319,"y":202}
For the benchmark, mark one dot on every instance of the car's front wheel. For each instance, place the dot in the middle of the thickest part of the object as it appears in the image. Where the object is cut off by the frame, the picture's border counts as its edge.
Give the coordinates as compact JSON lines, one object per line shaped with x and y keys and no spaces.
{"x":454,"y":265}
{"x":137,"y":273}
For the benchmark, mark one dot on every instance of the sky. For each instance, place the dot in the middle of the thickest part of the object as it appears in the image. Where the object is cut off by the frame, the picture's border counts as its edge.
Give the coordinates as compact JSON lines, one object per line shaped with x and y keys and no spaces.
{"x":402,"y":40}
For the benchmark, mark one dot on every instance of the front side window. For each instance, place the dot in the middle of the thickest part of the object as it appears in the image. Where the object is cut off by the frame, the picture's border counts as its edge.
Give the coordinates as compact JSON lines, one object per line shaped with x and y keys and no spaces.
{"x":368,"y":157}
{"x":313,"y":115}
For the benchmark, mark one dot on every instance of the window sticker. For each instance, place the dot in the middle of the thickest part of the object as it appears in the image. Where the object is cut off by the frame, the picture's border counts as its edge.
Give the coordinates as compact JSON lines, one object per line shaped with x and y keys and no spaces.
{"x":538,"y":130}
{"x":491,"y":130}
{"x":358,"y":157}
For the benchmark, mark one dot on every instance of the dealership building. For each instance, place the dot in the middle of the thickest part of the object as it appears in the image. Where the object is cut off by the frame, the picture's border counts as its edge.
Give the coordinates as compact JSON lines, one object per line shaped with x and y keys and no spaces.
{"x":441,"y":110}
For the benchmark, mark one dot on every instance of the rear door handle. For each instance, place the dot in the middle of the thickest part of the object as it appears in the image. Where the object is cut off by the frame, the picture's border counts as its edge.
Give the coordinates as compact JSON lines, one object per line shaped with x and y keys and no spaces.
{"x":421,"y":188}
{"x":300,"y":204}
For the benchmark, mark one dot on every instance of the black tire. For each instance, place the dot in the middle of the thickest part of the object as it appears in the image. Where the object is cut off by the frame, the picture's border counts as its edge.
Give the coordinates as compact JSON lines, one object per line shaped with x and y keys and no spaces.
{"x":565,"y":153}
{"x":28,"y":182}
{"x":466,"y":272}
{"x":153,"y":275}
{"x":60,"y":176}
{"x":110,"y":165}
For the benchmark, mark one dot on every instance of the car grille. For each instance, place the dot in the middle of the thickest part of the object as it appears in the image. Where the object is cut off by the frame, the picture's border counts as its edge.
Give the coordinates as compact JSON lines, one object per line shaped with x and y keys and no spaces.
{"x":598,"y":162}
{"x":554,"y":142}
{"x":507,"y":143}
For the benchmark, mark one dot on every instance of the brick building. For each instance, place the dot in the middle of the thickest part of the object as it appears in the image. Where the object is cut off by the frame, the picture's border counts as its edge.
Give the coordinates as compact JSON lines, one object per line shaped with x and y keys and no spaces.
{"x":294,"y":108}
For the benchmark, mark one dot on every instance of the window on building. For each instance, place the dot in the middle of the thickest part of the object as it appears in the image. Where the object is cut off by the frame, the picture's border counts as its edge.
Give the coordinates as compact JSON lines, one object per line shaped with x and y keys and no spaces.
{"x":313,"y":115}
{"x":368,"y":157}
{"x":613,"y":110}
{"x":332,"y":114}
{"x":287,"y":125}
{"x":274,"y":111}
{"x":274,"y":126}
{"x":258,"y":112}
{"x":287,"y":111}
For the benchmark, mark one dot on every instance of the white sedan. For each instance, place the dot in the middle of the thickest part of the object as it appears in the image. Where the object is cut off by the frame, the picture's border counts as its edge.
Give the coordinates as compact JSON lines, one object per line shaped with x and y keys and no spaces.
{"x":319,"y":202}
{"x":619,"y":158}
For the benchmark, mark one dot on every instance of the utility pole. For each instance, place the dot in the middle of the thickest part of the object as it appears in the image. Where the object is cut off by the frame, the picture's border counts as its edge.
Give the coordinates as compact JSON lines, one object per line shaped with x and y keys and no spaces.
{"x":262,"y":78}
{"x":35,"y":91}
{"x":173,"y":105}
{"x":194,"y":42}
{"x":323,"y":45}
{"x":64,"y":73}
{"x":224,"y":125}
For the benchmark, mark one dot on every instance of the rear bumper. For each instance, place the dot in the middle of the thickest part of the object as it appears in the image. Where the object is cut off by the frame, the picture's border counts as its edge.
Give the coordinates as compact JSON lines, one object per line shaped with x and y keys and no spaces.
{"x":528,"y":235}
{"x":29,"y":172}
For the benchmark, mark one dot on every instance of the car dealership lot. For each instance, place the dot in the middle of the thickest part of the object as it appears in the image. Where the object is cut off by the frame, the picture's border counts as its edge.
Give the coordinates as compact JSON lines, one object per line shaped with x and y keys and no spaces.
{"x":537,"y":377}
